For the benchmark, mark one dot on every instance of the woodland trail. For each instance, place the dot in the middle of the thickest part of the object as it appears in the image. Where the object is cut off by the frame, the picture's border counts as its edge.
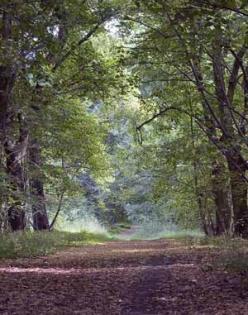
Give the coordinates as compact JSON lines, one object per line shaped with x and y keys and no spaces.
{"x":125,"y":278}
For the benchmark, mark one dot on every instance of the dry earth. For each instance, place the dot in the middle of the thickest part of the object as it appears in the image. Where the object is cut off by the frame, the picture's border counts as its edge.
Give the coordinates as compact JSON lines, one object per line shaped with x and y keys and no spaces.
{"x":125,"y":277}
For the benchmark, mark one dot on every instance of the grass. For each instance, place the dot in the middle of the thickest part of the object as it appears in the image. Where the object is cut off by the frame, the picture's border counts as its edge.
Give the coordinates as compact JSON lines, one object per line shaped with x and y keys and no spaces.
{"x":232,"y":253}
{"x":33,"y":244}
{"x":177,"y":234}
{"x":118,"y":228}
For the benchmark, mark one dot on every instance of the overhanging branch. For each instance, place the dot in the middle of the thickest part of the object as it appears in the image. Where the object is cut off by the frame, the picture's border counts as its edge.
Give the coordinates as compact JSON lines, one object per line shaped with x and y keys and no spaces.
{"x":81,"y":41}
{"x":163,"y":112}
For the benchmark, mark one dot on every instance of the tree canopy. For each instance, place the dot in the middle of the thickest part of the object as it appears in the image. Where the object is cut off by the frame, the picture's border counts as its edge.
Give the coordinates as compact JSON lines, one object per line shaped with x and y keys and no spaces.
{"x":137,"y":111}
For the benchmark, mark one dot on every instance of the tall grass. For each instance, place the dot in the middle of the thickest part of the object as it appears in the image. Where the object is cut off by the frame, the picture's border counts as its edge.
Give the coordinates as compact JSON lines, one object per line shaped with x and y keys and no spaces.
{"x":87,"y":223}
{"x":156,"y":230}
{"x":32,"y":244}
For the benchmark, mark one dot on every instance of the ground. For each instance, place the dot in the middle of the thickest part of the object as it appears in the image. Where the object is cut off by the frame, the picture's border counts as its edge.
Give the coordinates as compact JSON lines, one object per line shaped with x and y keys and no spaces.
{"x":122,"y":277}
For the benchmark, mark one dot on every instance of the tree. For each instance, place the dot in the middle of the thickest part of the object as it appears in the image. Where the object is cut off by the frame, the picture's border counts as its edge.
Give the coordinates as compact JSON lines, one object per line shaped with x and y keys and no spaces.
{"x":41,"y":39}
{"x":190,"y":44}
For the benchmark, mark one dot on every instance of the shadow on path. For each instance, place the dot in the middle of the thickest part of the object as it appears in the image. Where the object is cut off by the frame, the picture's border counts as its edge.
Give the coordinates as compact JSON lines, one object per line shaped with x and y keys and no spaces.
{"x":125,"y":278}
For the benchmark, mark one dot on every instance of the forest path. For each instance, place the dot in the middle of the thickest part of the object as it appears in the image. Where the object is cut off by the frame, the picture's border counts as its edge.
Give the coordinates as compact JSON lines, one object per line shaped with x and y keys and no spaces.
{"x":130,"y":233}
{"x":122,"y":278}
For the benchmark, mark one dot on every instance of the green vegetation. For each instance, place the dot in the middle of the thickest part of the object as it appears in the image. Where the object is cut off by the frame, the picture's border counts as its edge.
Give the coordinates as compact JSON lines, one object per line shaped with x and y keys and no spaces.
{"x":32,"y":244}
{"x":114,"y":111}
{"x":176,"y":235}
{"x":231,"y":254}
{"x":124,"y":121}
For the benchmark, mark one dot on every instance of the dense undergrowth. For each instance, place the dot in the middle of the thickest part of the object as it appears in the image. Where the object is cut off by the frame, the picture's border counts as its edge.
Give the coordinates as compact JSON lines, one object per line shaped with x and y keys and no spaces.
{"x":31,"y":244}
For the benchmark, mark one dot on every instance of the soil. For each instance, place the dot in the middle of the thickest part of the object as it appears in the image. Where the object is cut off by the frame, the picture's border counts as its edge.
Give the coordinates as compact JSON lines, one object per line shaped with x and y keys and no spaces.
{"x":122,"y":277}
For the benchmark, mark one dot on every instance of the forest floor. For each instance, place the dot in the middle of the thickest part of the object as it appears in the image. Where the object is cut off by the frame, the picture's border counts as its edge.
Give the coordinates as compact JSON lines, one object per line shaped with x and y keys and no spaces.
{"x":125,"y":278}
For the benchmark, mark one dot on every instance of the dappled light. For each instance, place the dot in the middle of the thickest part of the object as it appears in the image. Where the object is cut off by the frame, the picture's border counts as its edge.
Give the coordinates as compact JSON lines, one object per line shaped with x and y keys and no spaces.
{"x":55,"y":271}
{"x":59,"y":271}
{"x":110,"y":281}
{"x":123,"y":157}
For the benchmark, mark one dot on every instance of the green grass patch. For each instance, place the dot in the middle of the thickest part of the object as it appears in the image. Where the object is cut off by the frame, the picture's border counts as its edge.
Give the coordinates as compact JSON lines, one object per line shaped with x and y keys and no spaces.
{"x":33,"y":244}
{"x":223,"y":242}
{"x":143,"y":234}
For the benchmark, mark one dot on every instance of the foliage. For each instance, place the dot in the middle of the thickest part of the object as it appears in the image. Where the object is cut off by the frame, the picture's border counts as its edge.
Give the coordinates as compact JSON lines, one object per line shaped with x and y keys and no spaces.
{"x":147,"y":99}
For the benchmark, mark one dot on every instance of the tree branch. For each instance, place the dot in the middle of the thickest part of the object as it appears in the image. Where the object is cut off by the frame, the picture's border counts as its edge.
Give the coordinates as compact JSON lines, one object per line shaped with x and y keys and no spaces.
{"x":233,"y":80}
{"x":164,"y":111}
{"x":58,"y":210}
{"x":223,"y":7}
{"x":81,"y":41}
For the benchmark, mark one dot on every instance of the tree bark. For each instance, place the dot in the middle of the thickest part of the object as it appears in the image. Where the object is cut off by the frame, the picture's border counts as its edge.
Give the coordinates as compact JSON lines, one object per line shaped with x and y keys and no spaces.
{"x":13,"y":151}
{"x":238,"y":182}
{"x":220,"y":193}
{"x":6,"y":86}
{"x":237,"y":164}
{"x":40,"y":217}
{"x":15,"y":157}
{"x":58,"y":210}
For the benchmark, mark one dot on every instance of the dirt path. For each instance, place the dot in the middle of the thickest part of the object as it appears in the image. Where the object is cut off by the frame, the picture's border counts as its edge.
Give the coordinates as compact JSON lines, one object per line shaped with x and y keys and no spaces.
{"x":125,"y":278}
{"x":128,"y":234}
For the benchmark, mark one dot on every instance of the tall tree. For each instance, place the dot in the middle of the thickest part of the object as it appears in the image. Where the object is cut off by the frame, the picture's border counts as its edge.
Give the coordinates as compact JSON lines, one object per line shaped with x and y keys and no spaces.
{"x":41,"y":40}
{"x":193,"y":43}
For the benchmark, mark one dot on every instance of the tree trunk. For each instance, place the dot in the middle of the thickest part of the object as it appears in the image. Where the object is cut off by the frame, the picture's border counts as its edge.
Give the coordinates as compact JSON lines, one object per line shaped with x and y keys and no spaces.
{"x":202,"y":212}
{"x":6,"y":85}
{"x":220,"y":193}
{"x":58,"y":210}
{"x":238,"y":182}
{"x":40,"y":218}
{"x":16,"y":217}
{"x":15,"y":156}
{"x":13,"y":151}
{"x":231,"y":149}
{"x":7,"y":74}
